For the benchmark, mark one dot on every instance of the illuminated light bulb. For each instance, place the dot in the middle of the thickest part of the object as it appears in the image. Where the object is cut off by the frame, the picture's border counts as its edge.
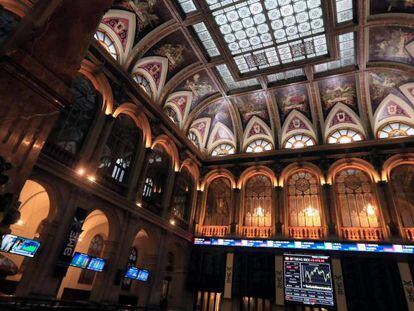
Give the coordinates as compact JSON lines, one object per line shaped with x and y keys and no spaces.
{"x":172,"y":222}
{"x":310,"y":211}
{"x":91,"y":178}
{"x":370,"y":210}
{"x":139,"y":204}
{"x":186,"y":189}
{"x":81,"y":171}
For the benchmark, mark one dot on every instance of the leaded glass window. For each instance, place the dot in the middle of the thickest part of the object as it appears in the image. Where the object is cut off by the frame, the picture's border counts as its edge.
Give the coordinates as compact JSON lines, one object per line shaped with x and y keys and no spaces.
{"x":259,"y":145}
{"x":228,"y":79}
{"x":148,"y":187}
{"x":132,"y":261}
{"x":402,"y":180}
{"x":344,"y":11}
{"x":344,"y":136}
{"x":187,"y":6}
{"x":95,"y":249}
{"x":172,"y":114}
{"x":106,"y":41}
{"x":222,"y":150}
{"x":218,"y":204}
{"x":183,"y":190}
{"x":286,"y":75}
{"x":299,"y":141}
{"x":357,"y":206}
{"x":143,"y":84}
{"x":303,"y":199}
{"x":258,"y":202}
{"x":395,"y":130}
{"x":193,"y":138}
{"x":120,"y":149}
{"x":206,"y":39}
{"x":75,"y":120}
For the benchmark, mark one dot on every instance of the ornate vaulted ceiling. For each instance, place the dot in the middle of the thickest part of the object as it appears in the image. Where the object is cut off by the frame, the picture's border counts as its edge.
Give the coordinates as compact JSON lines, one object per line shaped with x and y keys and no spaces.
{"x":250,"y":75}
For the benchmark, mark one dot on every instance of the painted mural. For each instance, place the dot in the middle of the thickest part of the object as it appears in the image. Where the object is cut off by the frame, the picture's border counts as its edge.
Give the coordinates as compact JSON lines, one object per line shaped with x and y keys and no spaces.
{"x":393,"y":44}
{"x":250,"y":105}
{"x":290,"y":98}
{"x":218,"y":112}
{"x":391,"y":6}
{"x":200,"y":85}
{"x":149,"y":13}
{"x":340,"y":89}
{"x":383,"y":83}
{"x":176,"y":49}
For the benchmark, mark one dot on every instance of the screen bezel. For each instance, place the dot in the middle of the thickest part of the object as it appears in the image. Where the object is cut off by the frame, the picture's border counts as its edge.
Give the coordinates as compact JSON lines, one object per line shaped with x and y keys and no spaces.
{"x":296,"y":303}
{"x":17,"y":238}
{"x":90,"y":258}
{"x":139,"y":269}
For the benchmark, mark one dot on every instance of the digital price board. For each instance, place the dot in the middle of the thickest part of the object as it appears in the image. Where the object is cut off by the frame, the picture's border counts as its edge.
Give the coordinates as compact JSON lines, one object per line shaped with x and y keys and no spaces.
{"x":137,"y":274}
{"x":85,"y":261}
{"x":308,"y":280}
{"x":18,"y":245}
{"x":310,"y":245}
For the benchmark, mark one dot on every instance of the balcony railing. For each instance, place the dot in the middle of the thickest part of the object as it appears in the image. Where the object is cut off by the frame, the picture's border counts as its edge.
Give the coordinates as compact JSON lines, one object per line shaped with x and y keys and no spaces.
{"x":214,"y":230}
{"x":306,"y":232}
{"x":362,"y":234}
{"x":59,"y":154}
{"x":257,"y":232}
{"x":409,"y":233}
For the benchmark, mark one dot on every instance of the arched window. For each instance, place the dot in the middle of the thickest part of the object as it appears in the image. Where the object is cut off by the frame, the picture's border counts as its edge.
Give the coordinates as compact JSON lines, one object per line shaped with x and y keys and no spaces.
{"x":107,"y":42}
{"x":258,"y":202}
{"x":120,"y":149}
{"x":157,"y":171}
{"x":75,"y":120}
{"x":171,"y":114}
{"x":299,"y":141}
{"x":95,"y":249}
{"x":8,"y":23}
{"x":402,"y":181}
{"x":395,"y":130}
{"x":344,"y":136}
{"x":218,"y":205}
{"x":357,"y":205}
{"x":222,"y":150}
{"x":304,"y":208}
{"x":143,"y":84}
{"x":259,"y":145}
{"x":193,"y":138}
{"x":183,"y":193}
{"x":148,"y":187}
{"x":132,"y":262}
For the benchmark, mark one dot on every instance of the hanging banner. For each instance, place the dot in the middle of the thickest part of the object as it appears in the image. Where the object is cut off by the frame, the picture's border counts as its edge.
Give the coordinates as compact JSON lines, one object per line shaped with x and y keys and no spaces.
{"x":407,"y":283}
{"x":228,"y":280}
{"x":280,"y":298}
{"x":75,"y":229}
{"x":339,"y":285}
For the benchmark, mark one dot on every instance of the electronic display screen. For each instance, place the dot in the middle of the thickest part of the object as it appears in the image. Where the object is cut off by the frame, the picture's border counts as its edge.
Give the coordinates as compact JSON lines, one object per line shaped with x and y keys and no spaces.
{"x":18,"y":245}
{"x":84,"y":261}
{"x":137,"y":274}
{"x":308,"y":280}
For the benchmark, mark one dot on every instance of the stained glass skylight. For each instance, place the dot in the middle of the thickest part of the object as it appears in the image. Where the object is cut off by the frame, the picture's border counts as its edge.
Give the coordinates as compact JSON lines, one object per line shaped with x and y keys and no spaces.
{"x":346,"y":51}
{"x":262,"y":34}
{"x":187,"y":6}
{"x":344,"y":11}
{"x":206,"y":39}
{"x":228,"y":79}
{"x":286,"y":75}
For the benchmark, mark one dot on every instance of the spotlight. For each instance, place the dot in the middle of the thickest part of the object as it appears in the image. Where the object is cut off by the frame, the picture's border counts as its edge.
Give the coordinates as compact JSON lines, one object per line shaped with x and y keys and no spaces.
{"x":91,"y":178}
{"x":139,"y":204}
{"x":81,"y":171}
{"x":172,"y":222}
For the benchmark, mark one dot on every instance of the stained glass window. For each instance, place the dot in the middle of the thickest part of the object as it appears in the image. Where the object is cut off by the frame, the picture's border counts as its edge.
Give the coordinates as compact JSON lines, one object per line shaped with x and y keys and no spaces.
{"x":95,"y":249}
{"x":222,"y":150}
{"x":395,"y":130}
{"x":148,"y":187}
{"x":206,"y":39}
{"x":171,"y":113}
{"x":344,"y":136}
{"x":187,"y":6}
{"x":261,"y":34}
{"x":346,"y":51}
{"x":193,"y":138}
{"x":299,"y":141}
{"x":181,"y":200}
{"x":344,"y":11}
{"x":402,"y":179}
{"x":218,"y":204}
{"x":109,"y":44}
{"x":228,"y":79}
{"x":259,"y":145}
{"x":286,"y":75}
{"x":258,"y":202}
{"x":143,"y":84}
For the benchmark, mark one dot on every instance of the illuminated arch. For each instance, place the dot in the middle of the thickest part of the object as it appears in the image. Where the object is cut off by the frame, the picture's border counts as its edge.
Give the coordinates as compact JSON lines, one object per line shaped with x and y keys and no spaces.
{"x":127,"y":18}
{"x":139,"y":118}
{"x":257,"y":129}
{"x":383,"y":115}
{"x":305,"y":166}
{"x":342,"y":117}
{"x":253,"y":171}
{"x":217,"y":173}
{"x":169,"y":146}
{"x":356,"y":163}
{"x":393,"y":162}
{"x":192,"y":167}
{"x":100,"y":83}
{"x":297,"y":123}
{"x":182,"y":109}
{"x":222,"y":149}
{"x":157,"y":79}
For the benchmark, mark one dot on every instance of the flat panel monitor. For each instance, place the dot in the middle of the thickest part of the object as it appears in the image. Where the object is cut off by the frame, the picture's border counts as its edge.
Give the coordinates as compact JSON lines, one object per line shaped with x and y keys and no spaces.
{"x":85,"y":261}
{"x":96,"y":264}
{"x":18,"y":245}
{"x":137,"y":274}
{"x":308,"y":280}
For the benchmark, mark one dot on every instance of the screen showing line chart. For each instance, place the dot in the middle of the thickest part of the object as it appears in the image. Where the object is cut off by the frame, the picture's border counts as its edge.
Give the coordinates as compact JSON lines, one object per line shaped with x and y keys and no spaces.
{"x":308,"y":280}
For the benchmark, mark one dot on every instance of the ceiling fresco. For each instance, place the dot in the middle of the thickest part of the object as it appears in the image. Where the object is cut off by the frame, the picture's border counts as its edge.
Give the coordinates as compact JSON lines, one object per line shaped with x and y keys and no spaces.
{"x":235,"y":70}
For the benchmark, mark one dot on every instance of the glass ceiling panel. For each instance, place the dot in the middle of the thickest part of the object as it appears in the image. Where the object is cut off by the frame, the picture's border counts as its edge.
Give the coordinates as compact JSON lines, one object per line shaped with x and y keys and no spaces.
{"x":344,"y":11}
{"x":281,"y":76}
{"x":187,"y":6}
{"x":228,"y":79}
{"x":206,"y":39}
{"x":346,"y":51}
{"x":261,"y":34}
